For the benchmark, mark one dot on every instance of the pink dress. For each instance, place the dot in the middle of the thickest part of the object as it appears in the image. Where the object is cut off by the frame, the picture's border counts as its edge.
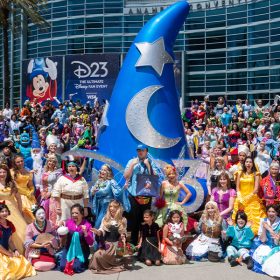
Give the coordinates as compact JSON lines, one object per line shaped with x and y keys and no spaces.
{"x":42,"y":259}
{"x":202,"y":170}
{"x":49,"y":204}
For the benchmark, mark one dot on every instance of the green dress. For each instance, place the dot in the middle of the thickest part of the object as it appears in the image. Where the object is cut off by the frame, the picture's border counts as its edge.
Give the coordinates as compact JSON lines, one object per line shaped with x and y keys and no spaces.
{"x":171,"y":195}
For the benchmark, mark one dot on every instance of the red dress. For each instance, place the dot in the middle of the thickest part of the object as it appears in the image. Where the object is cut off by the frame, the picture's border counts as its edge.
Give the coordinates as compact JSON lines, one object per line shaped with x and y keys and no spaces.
{"x":269,"y":190}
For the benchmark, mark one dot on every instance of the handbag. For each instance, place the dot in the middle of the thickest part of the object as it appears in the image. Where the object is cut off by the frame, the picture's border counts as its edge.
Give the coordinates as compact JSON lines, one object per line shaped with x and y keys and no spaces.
{"x":215,"y":252}
{"x":147,"y":185}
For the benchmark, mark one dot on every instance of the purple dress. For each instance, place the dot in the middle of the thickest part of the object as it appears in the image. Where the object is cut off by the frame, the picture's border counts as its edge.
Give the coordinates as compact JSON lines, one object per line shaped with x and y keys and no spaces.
{"x":223,"y":200}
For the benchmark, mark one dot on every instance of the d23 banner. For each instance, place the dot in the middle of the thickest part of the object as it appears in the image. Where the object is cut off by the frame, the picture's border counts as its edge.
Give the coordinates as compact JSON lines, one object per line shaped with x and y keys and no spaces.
{"x":42,"y":79}
{"x":90,"y":78}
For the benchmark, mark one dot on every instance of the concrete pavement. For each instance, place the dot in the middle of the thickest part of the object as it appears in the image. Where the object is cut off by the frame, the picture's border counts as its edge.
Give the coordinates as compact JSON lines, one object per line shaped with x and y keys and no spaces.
{"x":192,"y":271}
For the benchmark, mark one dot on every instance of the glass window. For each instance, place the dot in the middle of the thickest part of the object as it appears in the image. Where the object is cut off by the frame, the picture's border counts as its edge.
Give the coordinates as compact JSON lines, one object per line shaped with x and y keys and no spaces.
{"x":197,"y":77}
{"x":216,"y":60}
{"x":59,"y":10}
{"x":196,"y":20}
{"x":275,"y":86}
{"x":212,"y":67}
{"x":259,"y":73}
{"x":112,"y":6}
{"x":59,"y":48}
{"x":262,"y":50}
{"x":258,"y":41}
{"x":274,"y":9}
{"x":236,"y":65}
{"x":239,"y":53}
{"x":192,"y":62}
{"x":215,"y":83}
{"x":259,"y":17}
{"x":196,"y":83}
{"x":196,"y":90}
{"x":237,"y":59}
{"x":237,"y":87}
{"x":258,"y":80}
{"x":254,"y":57}
{"x":94,"y":23}
{"x":259,"y":63}
{"x":275,"y":28}
{"x":196,"y":68}
{"x":236,"y":21}
{"x":237,"y":43}
{"x":75,"y":10}
{"x":215,"y":89}
{"x":275,"y":38}
{"x":258,"y":8}
{"x":213,"y":46}
{"x":275,"y":74}
{"x":217,"y":24}
{"x":239,"y":30}
{"x":263,"y":84}
{"x":275,"y":58}
{"x":274,"y":15}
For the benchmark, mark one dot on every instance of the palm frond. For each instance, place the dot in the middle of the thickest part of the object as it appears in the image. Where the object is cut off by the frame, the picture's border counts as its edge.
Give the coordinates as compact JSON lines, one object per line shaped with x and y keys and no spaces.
{"x":31,"y":9}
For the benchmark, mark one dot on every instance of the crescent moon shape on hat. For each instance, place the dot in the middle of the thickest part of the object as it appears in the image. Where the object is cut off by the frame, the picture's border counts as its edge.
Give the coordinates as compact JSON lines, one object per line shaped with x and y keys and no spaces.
{"x":141,"y":127}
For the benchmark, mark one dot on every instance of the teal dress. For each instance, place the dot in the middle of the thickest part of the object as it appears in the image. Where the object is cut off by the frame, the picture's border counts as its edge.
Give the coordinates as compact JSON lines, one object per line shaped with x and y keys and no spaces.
{"x":171,"y":195}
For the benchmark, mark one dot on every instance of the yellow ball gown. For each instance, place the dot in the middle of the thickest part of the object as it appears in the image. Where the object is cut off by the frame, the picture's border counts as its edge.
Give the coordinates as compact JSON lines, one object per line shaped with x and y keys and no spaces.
{"x":12,"y":268}
{"x":16,"y":218}
{"x":26,"y":193}
{"x":251,"y":204}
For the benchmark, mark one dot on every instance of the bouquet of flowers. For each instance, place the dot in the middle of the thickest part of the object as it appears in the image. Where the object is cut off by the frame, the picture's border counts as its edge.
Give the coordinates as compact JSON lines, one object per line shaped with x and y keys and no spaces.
{"x":160,"y":203}
{"x":125,"y":249}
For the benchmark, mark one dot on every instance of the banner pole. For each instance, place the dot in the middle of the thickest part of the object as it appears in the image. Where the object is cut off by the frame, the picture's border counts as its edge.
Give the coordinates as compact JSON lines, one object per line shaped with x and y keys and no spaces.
{"x":63,"y":79}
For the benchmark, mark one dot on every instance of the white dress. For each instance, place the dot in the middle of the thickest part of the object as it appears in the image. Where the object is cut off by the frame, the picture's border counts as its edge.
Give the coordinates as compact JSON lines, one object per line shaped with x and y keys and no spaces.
{"x":199,"y":248}
{"x":73,"y":187}
{"x":269,"y":264}
{"x":263,"y":162}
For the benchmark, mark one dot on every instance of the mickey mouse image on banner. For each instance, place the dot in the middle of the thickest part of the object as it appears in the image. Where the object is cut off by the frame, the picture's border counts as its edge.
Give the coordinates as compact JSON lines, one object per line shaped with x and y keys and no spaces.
{"x":42,"y":79}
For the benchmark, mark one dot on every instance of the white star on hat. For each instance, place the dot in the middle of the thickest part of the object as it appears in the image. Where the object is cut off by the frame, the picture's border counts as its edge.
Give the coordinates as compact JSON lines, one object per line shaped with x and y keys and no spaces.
{"x":153,"y":55}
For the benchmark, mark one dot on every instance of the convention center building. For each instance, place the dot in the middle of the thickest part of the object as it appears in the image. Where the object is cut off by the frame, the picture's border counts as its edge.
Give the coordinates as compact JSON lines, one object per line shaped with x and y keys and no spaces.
{"x":226,"y":47}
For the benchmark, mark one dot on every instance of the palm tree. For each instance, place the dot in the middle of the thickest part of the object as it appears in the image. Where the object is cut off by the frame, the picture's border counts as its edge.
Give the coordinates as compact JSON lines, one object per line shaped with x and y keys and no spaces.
{"x":31,"y":10}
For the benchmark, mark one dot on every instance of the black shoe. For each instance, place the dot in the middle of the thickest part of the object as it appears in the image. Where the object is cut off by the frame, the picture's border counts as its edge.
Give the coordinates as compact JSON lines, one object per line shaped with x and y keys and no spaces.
{"x":232,"y":261}
{"x":250,"y":263}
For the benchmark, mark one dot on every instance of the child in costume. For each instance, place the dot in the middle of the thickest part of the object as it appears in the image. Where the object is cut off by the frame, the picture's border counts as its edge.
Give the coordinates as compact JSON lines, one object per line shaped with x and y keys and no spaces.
{"x":149,"y":243}
{"x":242,"y":236}
{"x":172,"y":239}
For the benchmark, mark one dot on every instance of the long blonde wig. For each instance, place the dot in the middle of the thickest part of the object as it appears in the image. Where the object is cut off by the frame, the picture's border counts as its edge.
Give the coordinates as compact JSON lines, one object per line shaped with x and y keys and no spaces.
{"x":51,"y":157}
{"x":217,"y":216}
{"x":120,"y":220}
{"x":169,"y":169}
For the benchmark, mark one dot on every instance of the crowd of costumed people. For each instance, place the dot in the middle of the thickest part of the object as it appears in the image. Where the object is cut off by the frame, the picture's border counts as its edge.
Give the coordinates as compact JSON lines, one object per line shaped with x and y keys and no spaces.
{"x":54,"y":216}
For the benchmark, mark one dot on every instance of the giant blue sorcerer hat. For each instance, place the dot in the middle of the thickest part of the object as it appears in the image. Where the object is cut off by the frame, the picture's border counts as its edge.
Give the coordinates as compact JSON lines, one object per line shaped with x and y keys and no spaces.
{"x":144,"y":107}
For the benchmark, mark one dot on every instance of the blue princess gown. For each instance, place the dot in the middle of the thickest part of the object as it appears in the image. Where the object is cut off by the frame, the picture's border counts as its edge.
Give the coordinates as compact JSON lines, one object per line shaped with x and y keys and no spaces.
{"x":261,"y":251}
{"x":108,"y":191}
